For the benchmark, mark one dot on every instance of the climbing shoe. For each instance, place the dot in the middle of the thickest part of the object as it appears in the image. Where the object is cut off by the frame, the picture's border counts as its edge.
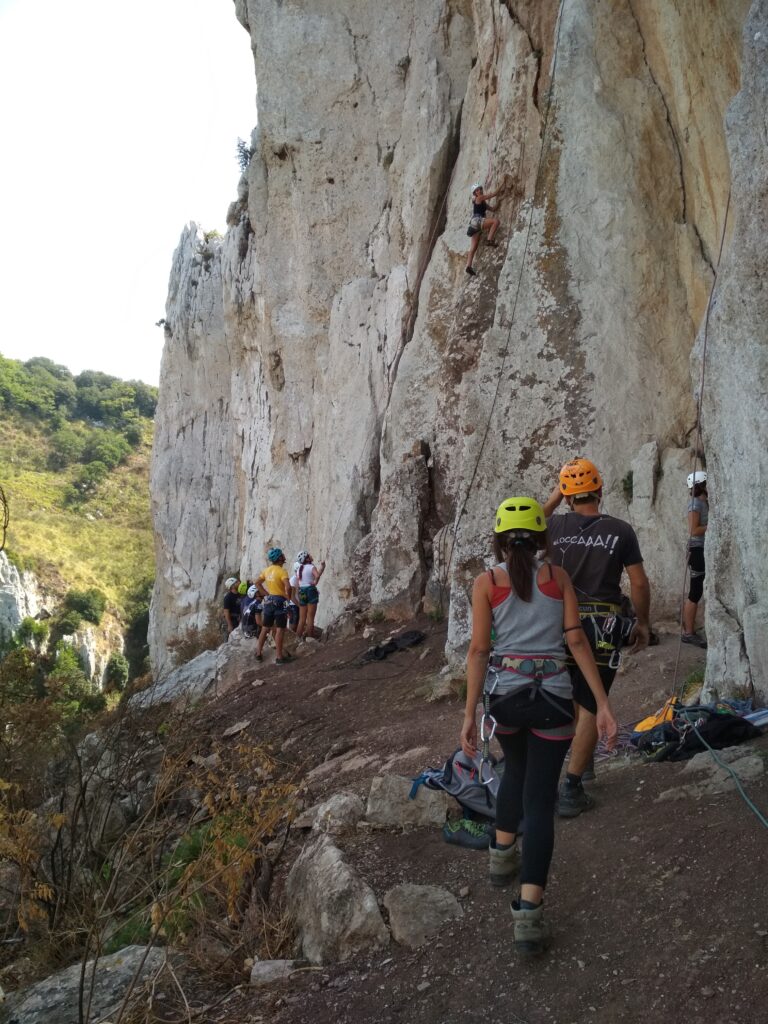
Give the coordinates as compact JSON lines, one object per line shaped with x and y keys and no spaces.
{"x":471,"y":271}
{"x":572,"y":800}
{"x":532,"y":933}
{"x":464,"y":832}
{"x":492,"y":242}
{"x":695,"y":640}
{"x":503,"y":865}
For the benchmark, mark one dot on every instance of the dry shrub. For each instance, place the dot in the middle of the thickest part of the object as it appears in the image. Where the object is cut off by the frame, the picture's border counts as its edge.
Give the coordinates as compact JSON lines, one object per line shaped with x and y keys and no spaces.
{"x":187,"y":870}
{"x":194,"y":641}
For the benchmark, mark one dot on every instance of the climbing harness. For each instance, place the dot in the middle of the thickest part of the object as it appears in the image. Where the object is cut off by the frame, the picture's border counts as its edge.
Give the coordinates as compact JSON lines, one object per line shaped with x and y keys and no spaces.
{"x":535,"y":671}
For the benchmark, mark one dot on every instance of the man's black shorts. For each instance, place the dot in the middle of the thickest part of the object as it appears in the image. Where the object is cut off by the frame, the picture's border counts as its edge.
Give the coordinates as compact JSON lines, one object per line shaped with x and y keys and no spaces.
{"x":274,"y":613}
{"x":581,"y":691}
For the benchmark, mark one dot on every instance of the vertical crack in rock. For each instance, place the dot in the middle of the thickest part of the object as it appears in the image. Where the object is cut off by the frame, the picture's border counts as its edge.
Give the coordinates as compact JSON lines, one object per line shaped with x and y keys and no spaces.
{"x":678,"y":149}
{"x":437,"y":227}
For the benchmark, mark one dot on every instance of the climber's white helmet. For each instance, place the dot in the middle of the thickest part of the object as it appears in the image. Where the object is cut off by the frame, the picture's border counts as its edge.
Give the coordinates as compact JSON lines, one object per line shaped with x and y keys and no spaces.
{"x":252,"y":591}
{"x":476,"y":186}
{"x":699,"y":477}
{"x":230,"y":582}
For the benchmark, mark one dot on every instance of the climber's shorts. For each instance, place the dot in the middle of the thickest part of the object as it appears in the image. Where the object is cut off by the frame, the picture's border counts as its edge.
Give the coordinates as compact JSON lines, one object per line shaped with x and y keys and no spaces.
{"x":698,"y":572}
{"x":308,"y":595}
{"x":274,"y":612}
{"x":475,"y":225}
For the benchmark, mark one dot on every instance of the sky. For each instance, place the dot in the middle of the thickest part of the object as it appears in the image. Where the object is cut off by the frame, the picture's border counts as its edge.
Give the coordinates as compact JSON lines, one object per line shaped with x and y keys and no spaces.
{"x":118,"y":125}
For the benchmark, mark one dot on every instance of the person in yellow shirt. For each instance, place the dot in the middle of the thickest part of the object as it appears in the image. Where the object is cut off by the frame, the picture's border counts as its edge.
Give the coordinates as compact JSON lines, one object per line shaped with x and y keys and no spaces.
{"x":273,"y":585}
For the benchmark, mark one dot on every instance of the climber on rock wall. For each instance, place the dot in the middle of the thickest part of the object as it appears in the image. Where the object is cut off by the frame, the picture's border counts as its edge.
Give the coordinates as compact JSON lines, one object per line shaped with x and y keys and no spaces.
{"x":479,"y":222}
{"x":527,"y":699}
{"x":594,"y":549}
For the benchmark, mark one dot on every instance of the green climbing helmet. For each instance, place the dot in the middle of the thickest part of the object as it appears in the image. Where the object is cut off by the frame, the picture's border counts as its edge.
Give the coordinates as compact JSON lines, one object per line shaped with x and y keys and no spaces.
{"x":520,"y":514}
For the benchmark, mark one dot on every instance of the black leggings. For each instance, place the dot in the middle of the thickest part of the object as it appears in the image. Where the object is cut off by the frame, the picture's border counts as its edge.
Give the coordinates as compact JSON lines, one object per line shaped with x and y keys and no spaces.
{"x":528,"y":787}
{"x":698,"y":569}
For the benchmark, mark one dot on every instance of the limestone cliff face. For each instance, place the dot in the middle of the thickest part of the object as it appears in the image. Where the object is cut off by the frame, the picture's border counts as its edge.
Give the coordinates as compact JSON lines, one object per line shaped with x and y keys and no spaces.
{"x":333,"y":380}
{"x":735,"y":408}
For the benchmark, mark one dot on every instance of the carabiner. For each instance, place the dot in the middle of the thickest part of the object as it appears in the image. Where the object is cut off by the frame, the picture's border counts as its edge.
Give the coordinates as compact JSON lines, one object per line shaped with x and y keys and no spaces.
{"x":487,"y":717}
{"x":489,"y":780}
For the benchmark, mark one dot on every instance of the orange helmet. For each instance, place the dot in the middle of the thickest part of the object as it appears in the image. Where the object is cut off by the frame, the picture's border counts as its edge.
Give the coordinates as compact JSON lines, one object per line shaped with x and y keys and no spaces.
{"x":580,"y":476}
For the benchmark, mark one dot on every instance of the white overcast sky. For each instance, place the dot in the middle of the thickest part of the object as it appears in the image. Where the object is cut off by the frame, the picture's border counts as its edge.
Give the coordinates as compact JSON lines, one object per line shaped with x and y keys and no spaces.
{"x":118,"y":124}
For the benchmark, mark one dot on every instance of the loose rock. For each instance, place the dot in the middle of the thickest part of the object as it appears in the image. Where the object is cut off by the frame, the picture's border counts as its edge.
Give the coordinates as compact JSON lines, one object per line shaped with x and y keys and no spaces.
{"x":389,"y":803}
{"x":267,"y":972}
{"x":57,"y":997}
{"x":335,"y":911}
{"x":416,"y":912}
{"x":340,"y":811}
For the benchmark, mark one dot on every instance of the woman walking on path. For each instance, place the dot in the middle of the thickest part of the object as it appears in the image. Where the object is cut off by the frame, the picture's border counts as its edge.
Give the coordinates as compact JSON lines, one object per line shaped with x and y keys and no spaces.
{"x":698,"y":515}
{"x":307,"y":576}
{"x":532,"y":608}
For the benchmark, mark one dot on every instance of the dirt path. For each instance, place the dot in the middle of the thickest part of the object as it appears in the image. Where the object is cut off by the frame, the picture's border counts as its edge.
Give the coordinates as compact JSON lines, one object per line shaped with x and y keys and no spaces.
{"x":659,"y":909}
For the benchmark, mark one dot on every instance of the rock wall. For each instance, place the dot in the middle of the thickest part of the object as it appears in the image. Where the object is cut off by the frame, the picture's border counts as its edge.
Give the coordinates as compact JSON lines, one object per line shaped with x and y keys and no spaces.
{"x":735,"y":411}
{"x":333,"y":380}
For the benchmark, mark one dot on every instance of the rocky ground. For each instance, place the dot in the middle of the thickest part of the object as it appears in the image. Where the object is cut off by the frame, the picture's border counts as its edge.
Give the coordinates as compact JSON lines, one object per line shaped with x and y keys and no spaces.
{"x":658,"y":905}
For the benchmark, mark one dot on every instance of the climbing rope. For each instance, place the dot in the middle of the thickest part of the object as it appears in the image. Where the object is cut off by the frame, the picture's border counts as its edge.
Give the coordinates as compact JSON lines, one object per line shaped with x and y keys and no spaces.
{"x":505,"y":353}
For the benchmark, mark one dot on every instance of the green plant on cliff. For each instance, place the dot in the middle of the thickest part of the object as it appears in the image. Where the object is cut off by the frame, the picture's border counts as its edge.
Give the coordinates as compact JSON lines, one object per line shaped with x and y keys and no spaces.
{"x":74,"y":460}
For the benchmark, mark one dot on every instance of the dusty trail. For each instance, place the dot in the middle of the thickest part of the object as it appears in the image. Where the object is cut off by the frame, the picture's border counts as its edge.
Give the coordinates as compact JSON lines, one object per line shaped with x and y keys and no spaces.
{"x":658,"y":908}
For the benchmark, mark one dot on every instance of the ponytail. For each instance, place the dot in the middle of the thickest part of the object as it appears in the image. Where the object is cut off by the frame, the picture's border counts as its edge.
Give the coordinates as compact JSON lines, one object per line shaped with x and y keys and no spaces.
{"x":519,"y":550}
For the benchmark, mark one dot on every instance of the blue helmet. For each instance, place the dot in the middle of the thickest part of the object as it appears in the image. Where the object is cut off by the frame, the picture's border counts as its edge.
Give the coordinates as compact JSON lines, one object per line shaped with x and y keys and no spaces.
{"x":275,"y":554}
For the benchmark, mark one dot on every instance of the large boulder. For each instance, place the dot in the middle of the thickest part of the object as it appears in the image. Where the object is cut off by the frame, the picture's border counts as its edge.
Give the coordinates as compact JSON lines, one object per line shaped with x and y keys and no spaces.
{"x":56,"y":1000}
{"x":417,"y":912}
{"x":335,"y":911}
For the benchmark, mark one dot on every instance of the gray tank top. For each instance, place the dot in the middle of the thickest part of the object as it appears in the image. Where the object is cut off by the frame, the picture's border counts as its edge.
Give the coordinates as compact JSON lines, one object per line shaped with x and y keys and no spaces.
{"x":529,"y":629}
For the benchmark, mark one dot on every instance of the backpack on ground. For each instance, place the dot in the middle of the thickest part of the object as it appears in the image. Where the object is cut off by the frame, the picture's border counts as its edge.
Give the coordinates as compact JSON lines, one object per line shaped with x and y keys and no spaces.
{"x":460,"y":778}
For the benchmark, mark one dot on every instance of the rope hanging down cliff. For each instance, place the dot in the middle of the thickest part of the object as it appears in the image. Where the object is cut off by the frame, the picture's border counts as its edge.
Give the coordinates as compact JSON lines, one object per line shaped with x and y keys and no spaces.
{"x":544,"y":140}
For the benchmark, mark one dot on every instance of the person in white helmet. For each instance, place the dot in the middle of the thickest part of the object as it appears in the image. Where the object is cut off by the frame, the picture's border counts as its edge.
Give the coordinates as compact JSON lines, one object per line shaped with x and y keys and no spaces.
{"x":232,"y":603}
{"x":698,"y":514}
{"x":480,"y":222}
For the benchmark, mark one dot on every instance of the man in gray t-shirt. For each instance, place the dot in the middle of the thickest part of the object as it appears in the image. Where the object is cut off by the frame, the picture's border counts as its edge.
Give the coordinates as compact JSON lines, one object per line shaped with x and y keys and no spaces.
{"x":594,"y":549}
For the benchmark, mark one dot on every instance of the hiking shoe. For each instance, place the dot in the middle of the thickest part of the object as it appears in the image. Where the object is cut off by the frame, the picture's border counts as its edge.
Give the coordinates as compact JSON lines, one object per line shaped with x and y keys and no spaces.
{"x":695,"y":640}
{"x":532,"y":933}
{"x":281,"y":661}
{"x":259,"y":657}
{"x":471,"y":271}
{"x":572,"y":800}
{"x":589,"y":772}
{"x":504,"y":865}
{"x":464,"y":832}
